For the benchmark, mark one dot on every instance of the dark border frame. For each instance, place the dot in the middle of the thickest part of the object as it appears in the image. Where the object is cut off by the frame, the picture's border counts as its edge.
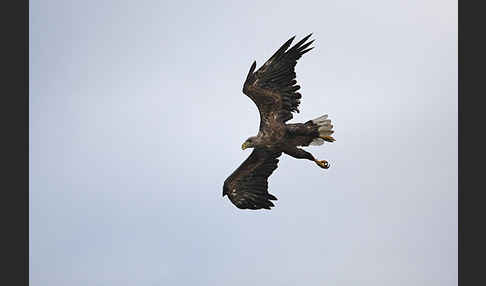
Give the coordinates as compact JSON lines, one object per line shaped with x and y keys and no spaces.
{"x":15,"y":135}
{"x":470,"y":117}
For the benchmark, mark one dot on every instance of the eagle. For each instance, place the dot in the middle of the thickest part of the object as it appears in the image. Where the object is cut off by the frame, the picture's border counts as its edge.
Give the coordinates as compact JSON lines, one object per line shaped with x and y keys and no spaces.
{"x":273,"y":88}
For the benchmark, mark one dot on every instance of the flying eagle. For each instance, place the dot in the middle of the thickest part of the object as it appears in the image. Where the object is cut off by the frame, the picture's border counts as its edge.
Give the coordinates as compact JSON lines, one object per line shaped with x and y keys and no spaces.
{"x":274,"y":91}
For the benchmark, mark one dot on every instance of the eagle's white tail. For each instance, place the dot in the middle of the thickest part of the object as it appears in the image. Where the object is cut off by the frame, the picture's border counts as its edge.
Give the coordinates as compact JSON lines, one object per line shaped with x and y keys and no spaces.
{"x":325,"y":130}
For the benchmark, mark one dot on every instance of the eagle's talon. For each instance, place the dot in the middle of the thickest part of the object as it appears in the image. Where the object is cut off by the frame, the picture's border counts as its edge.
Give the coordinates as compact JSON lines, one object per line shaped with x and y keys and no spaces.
{"x":323,"y":164}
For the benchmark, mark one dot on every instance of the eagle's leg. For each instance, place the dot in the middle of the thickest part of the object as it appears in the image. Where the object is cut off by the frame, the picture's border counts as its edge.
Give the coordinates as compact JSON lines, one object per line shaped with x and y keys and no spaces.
{"x":302,"y":154}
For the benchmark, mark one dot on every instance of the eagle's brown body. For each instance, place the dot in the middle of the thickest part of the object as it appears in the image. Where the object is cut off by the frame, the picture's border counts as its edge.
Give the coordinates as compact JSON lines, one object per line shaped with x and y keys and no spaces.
{"x":272,"y":88}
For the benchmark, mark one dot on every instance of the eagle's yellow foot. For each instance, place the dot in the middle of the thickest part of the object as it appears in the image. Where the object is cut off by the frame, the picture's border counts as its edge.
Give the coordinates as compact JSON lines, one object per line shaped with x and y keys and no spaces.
{"x":323,"y":164}
{"x":328,"y":138}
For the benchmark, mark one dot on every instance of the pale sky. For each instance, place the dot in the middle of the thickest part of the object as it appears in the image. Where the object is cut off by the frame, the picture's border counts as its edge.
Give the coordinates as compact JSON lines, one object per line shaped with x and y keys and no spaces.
{"x":137,"y":118}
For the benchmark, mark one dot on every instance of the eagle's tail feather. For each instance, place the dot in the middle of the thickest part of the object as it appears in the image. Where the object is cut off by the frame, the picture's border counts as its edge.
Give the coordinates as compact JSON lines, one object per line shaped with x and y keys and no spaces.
{"x":324,"y":128}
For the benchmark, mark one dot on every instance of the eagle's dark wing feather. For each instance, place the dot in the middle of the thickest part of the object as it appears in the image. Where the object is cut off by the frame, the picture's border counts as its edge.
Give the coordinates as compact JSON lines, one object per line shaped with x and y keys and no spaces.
{"x":247,"y":187}
{"x":273,"y":86}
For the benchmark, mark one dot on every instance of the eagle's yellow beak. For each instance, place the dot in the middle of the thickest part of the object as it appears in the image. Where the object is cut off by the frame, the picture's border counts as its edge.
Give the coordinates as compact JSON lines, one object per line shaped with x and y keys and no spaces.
{"x":244,"y":146}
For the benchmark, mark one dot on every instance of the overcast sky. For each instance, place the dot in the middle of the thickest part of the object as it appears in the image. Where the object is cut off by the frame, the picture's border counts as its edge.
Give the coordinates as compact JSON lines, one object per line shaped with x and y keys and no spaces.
{"x":137,"y":118}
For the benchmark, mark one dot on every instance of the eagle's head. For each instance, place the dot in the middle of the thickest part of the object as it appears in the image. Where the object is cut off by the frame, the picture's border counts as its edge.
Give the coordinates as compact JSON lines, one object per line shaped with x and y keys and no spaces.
{"x":250,"y":143}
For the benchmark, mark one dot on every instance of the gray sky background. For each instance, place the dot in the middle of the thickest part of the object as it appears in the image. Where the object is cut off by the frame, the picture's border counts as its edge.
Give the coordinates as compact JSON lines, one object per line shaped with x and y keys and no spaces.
{"x":137,"y":118}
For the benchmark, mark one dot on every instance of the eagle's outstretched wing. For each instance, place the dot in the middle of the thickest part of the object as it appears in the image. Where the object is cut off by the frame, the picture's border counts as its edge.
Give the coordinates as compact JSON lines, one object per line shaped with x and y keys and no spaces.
{"x":247,"y":187}
{"x":273,"y":86}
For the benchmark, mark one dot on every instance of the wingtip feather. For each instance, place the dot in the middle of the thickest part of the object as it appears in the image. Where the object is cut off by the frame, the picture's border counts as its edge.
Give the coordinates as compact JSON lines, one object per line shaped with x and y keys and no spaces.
{"x":305,"y":51}
{"x":307,"y":37}
{"x":252,"y":69}
{"x":271,"y":197}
